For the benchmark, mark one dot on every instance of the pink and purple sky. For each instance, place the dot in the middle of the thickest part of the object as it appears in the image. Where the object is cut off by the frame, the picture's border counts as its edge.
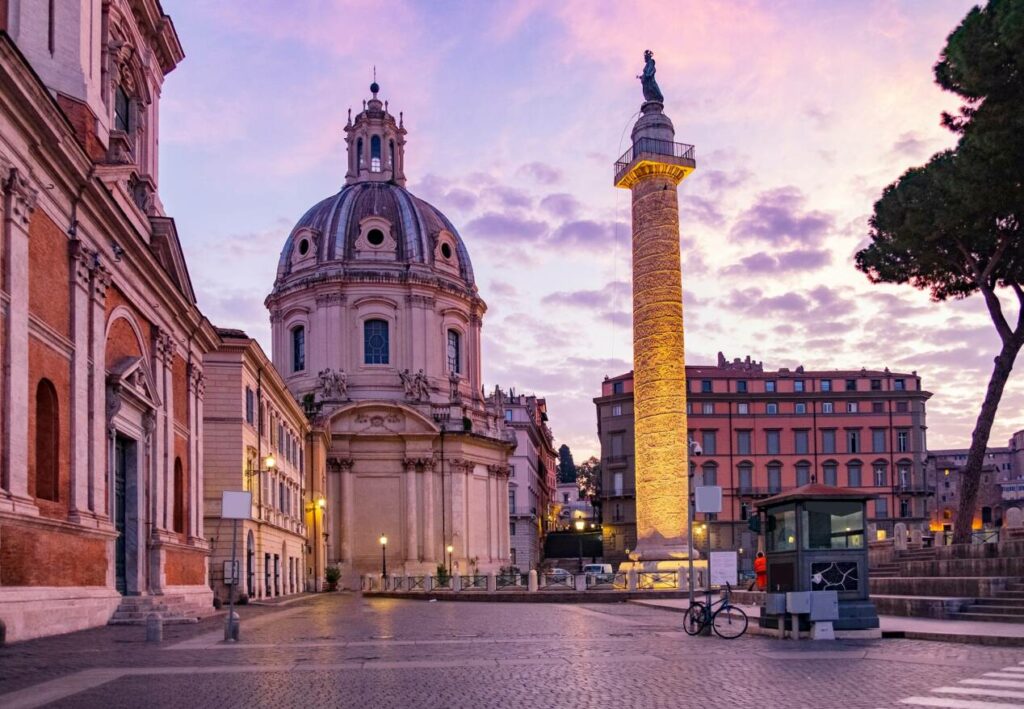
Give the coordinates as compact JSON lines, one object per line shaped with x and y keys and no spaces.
{"x":801,"y":113}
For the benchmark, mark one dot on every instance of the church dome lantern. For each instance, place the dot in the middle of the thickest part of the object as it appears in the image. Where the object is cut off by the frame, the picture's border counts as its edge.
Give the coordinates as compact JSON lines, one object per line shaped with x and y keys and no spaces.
{"x":376,"y":143}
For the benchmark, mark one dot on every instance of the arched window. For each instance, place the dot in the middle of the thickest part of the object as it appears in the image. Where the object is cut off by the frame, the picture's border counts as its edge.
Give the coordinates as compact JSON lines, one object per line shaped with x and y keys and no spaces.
{"x":803,"y":473}
{"x":903,"y":470}
{"x":359,"y":153}
{"x":831,"y":472}
{"x":391,"y":154}
{"x":47,"y":441}
{"x":122,"y":110}
{"x":375,"y":153}
{"x":178,"y":521}
{"x":250,"y":565}
{"x":375,"y":342}
{"x":880,"y":476}
{"x":299,"y":349}
{"x":853,"y":473}
{"x":746,"y":471}
{"x":710,"y":472}
{"x":774,"y":477}
{"x":454,"y":352}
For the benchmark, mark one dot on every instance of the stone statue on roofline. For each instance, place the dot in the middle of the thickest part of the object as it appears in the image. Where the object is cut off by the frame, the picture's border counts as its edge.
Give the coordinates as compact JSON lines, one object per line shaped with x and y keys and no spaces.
{"x":650,"y":86}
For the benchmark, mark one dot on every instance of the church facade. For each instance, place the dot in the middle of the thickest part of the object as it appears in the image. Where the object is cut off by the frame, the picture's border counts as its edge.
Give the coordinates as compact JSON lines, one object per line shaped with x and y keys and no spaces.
{"x":376,"y":322}
{"x":101,"y":395}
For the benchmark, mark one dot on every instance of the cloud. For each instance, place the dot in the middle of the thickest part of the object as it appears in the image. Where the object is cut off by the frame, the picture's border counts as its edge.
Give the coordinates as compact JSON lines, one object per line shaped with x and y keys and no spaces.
{"x":503,"y":228}
{"x":599,"y":299}
{"x":912,"y":145}
{"x":541,"y":172}
{"x":777,"y":217}
{"x":503,"y":289}
{"x":588,"y":233}
{"x":786,"y":261}
{"x":561,"y":205}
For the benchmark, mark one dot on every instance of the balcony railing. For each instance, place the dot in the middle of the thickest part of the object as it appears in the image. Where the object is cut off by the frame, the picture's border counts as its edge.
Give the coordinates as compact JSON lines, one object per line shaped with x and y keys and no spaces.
{"x":618,"y":492}
{"x":679,"y":153}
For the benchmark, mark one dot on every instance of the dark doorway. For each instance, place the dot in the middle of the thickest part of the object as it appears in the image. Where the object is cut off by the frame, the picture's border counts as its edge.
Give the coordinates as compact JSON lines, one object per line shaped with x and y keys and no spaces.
{"x":124,"y":448}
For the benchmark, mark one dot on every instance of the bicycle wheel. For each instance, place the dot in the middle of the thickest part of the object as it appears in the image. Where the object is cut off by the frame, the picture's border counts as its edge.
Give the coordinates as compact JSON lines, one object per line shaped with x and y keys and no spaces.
{"x":729,"y":622}
{"x":694,"y":619}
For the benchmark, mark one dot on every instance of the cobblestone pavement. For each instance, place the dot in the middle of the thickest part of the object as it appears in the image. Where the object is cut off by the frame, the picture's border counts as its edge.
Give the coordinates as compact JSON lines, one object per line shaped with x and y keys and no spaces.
{"x":343,"y":650}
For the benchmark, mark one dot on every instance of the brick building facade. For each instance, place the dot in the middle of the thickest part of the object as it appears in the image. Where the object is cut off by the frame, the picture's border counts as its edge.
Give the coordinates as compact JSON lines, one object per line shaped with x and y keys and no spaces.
{"x":761,"y":432}
{"x":101,"y":339}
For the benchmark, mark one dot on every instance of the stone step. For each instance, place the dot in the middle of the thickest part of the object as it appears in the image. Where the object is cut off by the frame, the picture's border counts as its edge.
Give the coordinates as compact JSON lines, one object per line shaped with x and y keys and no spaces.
{"x":991,"y":608}
{"x":177,"y":620}
{"x":989,"y":617}
{"x":998,"y":600}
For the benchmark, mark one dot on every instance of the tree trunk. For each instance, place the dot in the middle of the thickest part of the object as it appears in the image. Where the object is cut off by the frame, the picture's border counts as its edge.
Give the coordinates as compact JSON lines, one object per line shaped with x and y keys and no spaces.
{"x":970,"y":476}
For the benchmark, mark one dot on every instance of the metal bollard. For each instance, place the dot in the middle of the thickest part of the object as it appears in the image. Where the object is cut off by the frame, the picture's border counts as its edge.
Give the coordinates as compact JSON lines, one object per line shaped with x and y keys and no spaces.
{"x":231,"y":627}
{"x":154,"y":628}
{"x":532,"y":581}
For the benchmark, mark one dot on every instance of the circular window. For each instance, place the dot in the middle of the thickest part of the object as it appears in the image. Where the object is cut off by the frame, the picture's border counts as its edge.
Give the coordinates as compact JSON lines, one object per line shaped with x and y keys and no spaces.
{"x":446,"y":250}
{"x":375,"y":237}
{"x":304,"y":247}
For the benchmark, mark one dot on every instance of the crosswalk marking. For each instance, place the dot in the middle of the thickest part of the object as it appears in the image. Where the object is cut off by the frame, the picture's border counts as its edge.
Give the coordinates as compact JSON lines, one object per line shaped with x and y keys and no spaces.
{"x":984,"y":691}
{"x":994,"y":683}
{"x":945,"y":703}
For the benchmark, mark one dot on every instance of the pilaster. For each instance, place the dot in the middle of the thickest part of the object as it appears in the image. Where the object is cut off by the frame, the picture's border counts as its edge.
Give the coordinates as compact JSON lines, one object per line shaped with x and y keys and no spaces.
{"x":344,"y":467}
{"x":19,"y":201}
{"x":411,"y":511}
{"x":82,"y":260}
{"x":163,"y":443}
{"x":429,"y":541}
{"x":99,"y":441}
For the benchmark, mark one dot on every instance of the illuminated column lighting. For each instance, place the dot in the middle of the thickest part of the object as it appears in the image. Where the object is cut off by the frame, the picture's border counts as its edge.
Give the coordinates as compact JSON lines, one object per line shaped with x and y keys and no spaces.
{"x":652,"y":170}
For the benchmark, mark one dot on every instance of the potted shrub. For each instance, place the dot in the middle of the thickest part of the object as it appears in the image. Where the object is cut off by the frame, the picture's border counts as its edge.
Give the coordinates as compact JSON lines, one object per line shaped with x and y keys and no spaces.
{"x":332,"y":575}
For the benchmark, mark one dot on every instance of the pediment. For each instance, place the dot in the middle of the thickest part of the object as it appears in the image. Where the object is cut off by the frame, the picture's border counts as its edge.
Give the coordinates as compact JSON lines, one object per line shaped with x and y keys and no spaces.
{"x":130,"y":379}
{"x":380,"y":418}
{"x":167,"y":249}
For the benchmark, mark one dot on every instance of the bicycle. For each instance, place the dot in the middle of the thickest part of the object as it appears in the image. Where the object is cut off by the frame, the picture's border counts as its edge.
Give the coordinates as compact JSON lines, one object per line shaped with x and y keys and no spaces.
{"x":727,"y":621}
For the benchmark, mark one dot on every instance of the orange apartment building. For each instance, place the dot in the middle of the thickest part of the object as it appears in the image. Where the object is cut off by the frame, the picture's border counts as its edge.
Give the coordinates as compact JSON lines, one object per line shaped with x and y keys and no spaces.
{"x":762,"y":432}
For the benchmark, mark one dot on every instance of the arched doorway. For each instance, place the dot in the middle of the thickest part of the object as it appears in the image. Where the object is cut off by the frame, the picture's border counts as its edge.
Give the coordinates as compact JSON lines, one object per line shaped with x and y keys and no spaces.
{"x":250,"y":565}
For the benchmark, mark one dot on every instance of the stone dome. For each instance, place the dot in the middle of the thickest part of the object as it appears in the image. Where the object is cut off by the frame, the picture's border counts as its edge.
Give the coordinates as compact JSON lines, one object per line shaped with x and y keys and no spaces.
{"x":378,"y":223}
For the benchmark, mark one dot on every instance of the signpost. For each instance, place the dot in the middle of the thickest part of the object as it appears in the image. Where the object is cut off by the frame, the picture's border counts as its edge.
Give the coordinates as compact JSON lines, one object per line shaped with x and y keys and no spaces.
{"x":706,"y":499}
{"x":234,"y":505}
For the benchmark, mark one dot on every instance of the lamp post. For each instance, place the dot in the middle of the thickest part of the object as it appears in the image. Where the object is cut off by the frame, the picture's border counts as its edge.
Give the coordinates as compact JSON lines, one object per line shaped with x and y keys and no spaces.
{"x":580,"y":526}
{"x":383,"y":558}
{"x":450,"y":549}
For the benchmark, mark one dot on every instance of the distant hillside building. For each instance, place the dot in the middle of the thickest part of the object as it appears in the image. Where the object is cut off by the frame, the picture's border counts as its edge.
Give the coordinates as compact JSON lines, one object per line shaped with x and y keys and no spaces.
{"x":763,"y":432}
{"x":1002,"y":484}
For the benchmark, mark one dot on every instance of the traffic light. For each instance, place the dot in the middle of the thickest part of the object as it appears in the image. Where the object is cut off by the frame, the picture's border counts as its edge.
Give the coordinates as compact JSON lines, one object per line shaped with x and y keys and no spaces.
{"x":754,"y":524}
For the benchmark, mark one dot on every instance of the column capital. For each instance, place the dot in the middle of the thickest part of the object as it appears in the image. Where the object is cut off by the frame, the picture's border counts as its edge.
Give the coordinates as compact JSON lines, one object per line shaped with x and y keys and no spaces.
{"x":500,"y":471}
{"x":23,"y":195}
{"x":82,"y":261}
{"x":340,"y":465}
{"x":163,"y":346}
{"x":101,"y":280}
{"x":461,"y":465}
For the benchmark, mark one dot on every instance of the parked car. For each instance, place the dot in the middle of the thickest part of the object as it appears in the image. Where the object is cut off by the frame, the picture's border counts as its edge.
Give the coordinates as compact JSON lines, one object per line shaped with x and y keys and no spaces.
{"x":599,"y":573}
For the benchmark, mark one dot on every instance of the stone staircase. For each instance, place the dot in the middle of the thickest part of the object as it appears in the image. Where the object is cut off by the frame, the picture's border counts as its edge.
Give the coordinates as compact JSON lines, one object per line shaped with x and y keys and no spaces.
{"x":1003,"y":606}
{"x":980,"y":582}
{"x":134,"y":610}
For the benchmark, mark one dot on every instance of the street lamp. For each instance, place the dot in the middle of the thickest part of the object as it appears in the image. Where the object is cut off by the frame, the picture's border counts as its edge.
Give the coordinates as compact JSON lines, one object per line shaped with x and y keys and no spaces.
{"x":383,"y":557}
{"x":450,"y":549}
{"x":269,"y":464}
{"x":580,"y":526}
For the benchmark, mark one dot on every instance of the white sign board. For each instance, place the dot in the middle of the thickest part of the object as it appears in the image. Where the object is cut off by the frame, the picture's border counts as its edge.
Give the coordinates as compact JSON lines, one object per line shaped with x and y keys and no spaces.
{"x":231,"y":578}
{"x":723,"y":567}
{"x":236,"y":505}
{"x":708,"y":498}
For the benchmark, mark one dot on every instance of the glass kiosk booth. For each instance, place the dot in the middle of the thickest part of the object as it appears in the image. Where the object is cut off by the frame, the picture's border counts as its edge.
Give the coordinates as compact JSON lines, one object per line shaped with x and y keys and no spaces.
{"x":815,"y":540}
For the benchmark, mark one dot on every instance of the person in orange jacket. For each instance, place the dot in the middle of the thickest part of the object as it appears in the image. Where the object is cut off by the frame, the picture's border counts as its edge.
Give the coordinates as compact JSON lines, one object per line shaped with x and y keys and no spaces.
{"x":761,"y":571}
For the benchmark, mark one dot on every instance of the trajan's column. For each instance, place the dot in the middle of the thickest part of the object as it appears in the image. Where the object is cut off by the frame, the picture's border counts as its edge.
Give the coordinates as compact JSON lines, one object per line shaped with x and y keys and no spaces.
{"x":652,"y":169}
